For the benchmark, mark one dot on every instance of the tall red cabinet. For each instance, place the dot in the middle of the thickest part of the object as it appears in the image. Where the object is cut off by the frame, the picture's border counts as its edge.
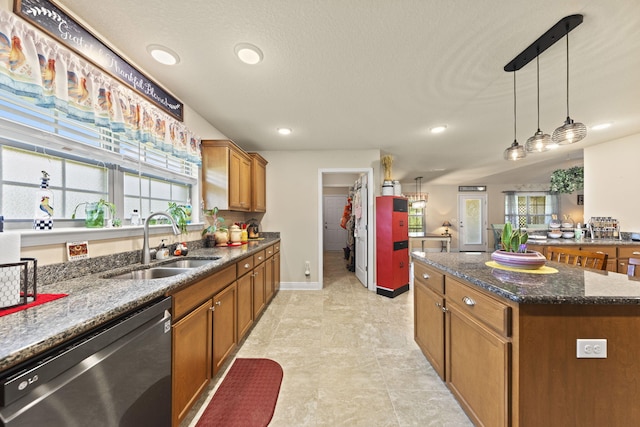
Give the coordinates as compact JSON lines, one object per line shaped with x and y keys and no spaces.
{"x":392,"y":245}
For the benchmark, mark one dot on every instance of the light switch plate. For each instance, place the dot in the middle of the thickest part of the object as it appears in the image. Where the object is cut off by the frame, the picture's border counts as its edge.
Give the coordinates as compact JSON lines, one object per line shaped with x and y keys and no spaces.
{"x":591,"y":349}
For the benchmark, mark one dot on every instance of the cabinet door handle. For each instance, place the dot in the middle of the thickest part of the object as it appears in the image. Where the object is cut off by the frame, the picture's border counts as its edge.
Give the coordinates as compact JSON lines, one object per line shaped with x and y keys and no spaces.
{"x":425,"y":276}
{"x":401,"y":264}
{"x":636,"y":253}
{"x":260,"y":258}
{"x":469,"y":301}
{"x":212,"y":308}
{"x":438,"y":305}
{"x":246,"y":265}
{"x":401,"y":223}
{"x":218,"y":302}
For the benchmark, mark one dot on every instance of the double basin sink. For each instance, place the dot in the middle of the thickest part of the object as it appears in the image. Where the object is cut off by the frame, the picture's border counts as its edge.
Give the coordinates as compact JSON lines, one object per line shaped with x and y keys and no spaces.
{"x":161,"y":271}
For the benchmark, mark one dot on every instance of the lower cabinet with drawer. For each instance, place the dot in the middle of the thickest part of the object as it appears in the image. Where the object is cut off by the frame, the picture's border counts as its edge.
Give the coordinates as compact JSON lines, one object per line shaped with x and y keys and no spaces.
{"x":210,"y":318}
{"x":466,"y":336}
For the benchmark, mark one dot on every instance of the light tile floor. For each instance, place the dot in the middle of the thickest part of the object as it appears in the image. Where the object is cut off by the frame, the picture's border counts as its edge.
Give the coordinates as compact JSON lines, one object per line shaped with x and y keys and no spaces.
{"x":349,"y":359}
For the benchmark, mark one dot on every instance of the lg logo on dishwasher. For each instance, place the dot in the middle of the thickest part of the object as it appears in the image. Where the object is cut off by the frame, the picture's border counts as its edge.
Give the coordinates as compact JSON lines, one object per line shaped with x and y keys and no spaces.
{"x":24,"y":384}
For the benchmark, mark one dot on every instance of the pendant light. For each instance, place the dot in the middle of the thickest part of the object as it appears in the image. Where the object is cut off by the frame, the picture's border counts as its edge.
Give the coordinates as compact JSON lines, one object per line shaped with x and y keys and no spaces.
{"x":420,"y":201}
{"x":540,"y":141}
{"x":570,"y":132}
{"x":515,"y":151}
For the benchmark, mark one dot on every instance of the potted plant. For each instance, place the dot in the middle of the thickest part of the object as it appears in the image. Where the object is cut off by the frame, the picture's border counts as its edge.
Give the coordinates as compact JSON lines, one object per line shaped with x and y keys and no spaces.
{"x":514,"y":251}
{"x":94,"y":212}
{"x":567,"y":180}
{"x":216,"y":230}
{"x":179,"y":213}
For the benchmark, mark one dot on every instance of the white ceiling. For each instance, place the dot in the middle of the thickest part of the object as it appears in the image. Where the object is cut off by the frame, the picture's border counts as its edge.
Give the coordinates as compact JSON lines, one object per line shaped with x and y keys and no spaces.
{"x":364,"y":74}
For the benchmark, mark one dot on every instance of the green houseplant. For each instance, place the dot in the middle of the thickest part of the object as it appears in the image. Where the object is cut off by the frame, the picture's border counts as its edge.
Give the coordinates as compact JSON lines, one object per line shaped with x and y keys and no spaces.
{"x":216,"y":222}
{"x":567,"y":180}
{"x":514,"y":253}
{"x":94,"y":212}
{"x":513,"y":240}
{"x":179,"y":213}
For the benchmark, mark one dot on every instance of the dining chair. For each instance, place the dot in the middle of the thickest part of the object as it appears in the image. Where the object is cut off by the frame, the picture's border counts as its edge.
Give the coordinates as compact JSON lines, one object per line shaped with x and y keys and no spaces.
{"x":578,"y":257}
{"x":631,"y":266}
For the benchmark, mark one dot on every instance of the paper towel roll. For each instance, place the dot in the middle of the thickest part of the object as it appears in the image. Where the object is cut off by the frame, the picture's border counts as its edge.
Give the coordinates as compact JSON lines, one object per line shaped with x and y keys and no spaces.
{"x":9,"y":247}
{"x":10,"y":283}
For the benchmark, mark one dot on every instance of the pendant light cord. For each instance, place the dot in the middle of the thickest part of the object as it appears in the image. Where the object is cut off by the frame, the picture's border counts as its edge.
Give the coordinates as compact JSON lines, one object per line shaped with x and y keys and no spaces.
{"x":538,"y":82}
{"x":567,"y":70}
{"x":514,"y":107}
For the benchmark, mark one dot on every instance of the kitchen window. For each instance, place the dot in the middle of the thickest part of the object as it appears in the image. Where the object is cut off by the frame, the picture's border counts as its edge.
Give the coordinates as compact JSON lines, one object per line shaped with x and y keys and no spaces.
{"x":416,"y":221}
{"x":530,"y":208}
{"x":86,"y":163}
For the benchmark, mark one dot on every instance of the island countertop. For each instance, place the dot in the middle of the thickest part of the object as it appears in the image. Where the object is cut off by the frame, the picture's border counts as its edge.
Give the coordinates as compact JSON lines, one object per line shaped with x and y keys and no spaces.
{"x":95,"y":299}
{"x":570,"y":285}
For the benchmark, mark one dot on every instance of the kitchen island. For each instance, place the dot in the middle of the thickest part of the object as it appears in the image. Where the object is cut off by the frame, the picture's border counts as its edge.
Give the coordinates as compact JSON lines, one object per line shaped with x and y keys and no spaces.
{"x":506,"y":344}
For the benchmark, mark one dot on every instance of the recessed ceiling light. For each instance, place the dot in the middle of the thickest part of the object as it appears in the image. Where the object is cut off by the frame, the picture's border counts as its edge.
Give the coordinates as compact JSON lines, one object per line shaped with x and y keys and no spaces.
{"x":248,"y":53}
{"x":163,"y":54}
{"x":284,"y":131}
{"x":601,"y":126}
{"x":438,"y":129}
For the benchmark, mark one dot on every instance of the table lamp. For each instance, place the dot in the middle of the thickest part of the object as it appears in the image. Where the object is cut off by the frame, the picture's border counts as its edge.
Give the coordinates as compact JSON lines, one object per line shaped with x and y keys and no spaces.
{"x":446,"y":224}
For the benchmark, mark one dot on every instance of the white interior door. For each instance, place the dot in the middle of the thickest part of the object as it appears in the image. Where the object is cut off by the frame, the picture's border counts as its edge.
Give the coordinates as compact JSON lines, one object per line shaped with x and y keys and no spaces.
{"x":361,"y":213}
{"x":472,"y":214}
{"x":334,"y":236}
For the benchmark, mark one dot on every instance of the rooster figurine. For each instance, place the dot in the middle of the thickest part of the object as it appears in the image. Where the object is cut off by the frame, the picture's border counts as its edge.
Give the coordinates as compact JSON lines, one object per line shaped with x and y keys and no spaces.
{"x":45,"y":207}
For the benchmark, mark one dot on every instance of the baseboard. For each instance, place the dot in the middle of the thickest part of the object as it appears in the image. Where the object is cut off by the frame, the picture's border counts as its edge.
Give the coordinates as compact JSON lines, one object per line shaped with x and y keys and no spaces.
{"x":300,"y":286}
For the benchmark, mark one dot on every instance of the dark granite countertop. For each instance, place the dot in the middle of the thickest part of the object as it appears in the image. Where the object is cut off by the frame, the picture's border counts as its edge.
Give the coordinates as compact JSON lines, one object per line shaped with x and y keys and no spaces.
{"x":571,"y":285}
{"x":94,"y":300}
{"x":583,"y":242}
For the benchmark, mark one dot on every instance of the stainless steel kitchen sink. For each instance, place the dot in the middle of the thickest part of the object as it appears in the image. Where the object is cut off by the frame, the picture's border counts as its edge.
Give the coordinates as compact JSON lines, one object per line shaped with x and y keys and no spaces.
{"x":188,"y":263}
{"x":150,"y":273}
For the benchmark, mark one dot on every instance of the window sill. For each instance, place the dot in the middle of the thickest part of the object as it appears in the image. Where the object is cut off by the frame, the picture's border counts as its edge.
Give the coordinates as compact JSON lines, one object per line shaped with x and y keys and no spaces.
{"x":31,"y":238}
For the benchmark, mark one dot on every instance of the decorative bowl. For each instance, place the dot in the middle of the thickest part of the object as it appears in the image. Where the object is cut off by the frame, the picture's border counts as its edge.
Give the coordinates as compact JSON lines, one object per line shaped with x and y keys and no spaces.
{"x":554,"y":234}
{"x":529,"y":260}
{"x":568,"y":234}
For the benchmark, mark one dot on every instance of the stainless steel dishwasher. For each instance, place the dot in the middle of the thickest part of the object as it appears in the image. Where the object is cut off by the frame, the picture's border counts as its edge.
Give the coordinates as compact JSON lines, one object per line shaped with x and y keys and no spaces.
{"x":116,"y":375}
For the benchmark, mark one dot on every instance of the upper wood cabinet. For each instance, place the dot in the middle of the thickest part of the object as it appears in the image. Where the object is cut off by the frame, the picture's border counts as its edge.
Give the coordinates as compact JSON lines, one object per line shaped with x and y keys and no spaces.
{"x":258,"y":183}
{"x":226,"y":176}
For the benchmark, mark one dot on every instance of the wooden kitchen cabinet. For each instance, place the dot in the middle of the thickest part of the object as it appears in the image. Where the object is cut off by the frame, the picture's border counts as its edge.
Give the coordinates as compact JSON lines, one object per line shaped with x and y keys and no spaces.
{"x":429,"y":316}
{"x":258,"y":183}
{"x":276,"y":270}
{"x":211,"y":316}
{"x":259,"y":281}
{"x":226,"y":176}
{"x":477,"y":357}
{"x":245,"y":305}
{"x":191,"y":359}
{"x":624,"y":253}
{"x":225,"y":338}
{"x":466,"y":336}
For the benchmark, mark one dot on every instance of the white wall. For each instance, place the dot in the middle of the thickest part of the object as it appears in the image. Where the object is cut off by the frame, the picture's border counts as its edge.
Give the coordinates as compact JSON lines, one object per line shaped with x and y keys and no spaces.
{"x":611,"y":174}
{"x":292,"y":202}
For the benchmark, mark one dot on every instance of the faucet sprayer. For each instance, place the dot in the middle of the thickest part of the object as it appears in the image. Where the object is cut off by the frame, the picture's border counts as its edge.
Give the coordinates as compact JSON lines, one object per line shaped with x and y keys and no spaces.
{"x":146,"y":252}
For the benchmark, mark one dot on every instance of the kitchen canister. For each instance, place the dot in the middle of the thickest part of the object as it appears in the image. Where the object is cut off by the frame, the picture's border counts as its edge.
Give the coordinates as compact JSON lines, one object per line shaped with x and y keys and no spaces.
{"x":387,"y":188}
{"x":397,"y":188}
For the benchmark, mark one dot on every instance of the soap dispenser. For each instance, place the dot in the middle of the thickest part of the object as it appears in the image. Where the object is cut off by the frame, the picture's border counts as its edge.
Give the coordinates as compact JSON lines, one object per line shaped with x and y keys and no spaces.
{"x":163,"y":251}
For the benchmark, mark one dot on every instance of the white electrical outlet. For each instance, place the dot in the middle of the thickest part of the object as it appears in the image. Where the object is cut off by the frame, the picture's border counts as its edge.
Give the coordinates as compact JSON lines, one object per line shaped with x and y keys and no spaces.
{"x":591,"y":349}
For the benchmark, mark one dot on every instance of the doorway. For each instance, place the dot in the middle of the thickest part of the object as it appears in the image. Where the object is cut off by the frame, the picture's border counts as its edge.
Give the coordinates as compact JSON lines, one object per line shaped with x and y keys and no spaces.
{"x":364,"y":240}
{"x":335,"y":237}
{"x":472,"y":214}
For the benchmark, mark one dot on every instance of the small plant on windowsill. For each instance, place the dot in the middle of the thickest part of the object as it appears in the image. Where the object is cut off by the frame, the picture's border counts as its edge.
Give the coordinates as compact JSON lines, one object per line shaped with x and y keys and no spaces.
{"x":94,"y":213}
{"x":179,"y":213}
